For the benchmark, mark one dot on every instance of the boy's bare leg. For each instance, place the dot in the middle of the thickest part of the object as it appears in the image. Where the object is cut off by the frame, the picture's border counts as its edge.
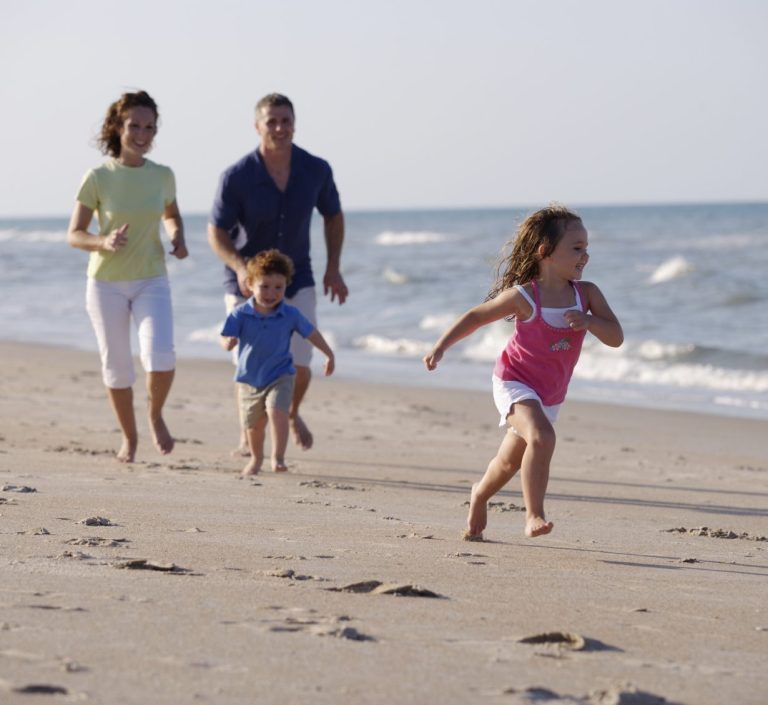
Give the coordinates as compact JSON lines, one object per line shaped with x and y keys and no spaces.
{"x":301,"y":434}
{"x":500,"y":471}
{"x":158,"y":387}
{"x":242,"y":448}
{"x":122,"y":405}
{"x":255,"y":436}
{"x":278,"y":420}
{"x":533,"y":425}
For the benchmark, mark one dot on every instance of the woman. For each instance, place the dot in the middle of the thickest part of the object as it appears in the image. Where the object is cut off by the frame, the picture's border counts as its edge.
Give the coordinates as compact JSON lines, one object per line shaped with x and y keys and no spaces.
{"x":126,"y":272}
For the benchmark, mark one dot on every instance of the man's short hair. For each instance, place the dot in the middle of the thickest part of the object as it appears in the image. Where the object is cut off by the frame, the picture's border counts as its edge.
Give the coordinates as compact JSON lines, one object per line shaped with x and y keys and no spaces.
{"x":274,"y":100}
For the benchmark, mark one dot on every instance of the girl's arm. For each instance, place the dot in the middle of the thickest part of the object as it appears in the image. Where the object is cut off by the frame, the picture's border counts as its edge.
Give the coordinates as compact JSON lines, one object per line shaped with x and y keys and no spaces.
{"x":79,"y":237}
{"x":507,"y":303}
{"x":174,"y":226}
{"x":601,"y":321}
{"x":316,"y":338}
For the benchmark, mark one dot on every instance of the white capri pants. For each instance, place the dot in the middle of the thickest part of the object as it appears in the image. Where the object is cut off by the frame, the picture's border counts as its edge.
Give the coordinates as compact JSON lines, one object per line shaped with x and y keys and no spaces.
{"x":306,"y":301}
{"x":111,"y":306}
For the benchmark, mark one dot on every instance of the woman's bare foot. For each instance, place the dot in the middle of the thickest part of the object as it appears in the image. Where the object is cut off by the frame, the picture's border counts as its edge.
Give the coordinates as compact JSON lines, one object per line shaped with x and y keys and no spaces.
{"x":127,"y":452}
{"x":537,"y":526}
{"x":301,"y":434}
{"x":161,"y":436}
{"x":478,"y":514}
{"x":279,"y":466}
{"x":252,"y":468}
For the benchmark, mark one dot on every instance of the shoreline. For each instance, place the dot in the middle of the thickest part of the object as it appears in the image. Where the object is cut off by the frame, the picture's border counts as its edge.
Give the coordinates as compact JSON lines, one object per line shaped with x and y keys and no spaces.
{"x":358,"y":374}
{"x":242,"y":588}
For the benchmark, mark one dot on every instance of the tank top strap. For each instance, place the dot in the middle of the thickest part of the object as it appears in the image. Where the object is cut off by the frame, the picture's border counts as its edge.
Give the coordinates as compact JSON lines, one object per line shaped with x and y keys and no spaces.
{"x":536,"y":299}
{"x":579,"y":297}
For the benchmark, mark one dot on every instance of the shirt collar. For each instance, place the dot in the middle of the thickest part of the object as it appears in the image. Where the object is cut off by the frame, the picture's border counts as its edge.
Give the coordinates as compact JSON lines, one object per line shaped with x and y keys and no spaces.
{"x":278,"y":311}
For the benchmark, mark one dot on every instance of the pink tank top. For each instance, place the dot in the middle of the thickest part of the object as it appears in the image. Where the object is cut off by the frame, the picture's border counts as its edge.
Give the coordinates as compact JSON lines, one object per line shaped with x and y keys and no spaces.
{"x":540,"y":355}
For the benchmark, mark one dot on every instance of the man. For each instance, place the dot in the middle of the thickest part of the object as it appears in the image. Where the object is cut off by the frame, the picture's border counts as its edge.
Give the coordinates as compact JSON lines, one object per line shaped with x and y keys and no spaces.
{"x":266,"y":201}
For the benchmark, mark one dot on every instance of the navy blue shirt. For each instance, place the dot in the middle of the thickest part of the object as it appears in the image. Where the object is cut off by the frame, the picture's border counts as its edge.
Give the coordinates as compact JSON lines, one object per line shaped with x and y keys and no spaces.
{"x":265,"y":340}
{"x":258,"y":216}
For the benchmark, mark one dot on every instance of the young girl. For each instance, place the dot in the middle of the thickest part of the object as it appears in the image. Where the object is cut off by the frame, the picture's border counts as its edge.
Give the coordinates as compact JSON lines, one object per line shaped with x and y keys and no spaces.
{"x":127,"y":276}
{"x":537,"y":285}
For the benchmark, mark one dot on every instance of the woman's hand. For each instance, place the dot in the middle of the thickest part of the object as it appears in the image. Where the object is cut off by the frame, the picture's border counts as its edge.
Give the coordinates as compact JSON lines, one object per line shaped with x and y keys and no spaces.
{"x":116,"y":240}
{"x":179,"y":248}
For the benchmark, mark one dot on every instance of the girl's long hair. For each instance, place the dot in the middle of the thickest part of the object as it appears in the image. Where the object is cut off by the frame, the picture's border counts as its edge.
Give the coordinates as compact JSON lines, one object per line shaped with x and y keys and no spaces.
{"x":519,"y":259}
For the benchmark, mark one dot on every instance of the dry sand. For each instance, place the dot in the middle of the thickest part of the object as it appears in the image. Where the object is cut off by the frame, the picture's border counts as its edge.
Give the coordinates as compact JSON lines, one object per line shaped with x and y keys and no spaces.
{"x":243,"y":604}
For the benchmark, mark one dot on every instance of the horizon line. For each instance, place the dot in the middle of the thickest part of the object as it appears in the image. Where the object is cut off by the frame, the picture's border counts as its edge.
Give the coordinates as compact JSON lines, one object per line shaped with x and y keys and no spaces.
{"x":428,"y":209}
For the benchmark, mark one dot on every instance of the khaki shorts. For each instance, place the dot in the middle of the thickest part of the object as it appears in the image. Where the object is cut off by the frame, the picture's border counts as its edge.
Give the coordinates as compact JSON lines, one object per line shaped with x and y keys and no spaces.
{"x":306,"y":301}
{"x":254,"y":401}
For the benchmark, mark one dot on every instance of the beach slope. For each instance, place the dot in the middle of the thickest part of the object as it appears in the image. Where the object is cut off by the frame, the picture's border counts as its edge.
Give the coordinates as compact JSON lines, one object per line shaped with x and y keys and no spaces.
{"x":345,"y":580}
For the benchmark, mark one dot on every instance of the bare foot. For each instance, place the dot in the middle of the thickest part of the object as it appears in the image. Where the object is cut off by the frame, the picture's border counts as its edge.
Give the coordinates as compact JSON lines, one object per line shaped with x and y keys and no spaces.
{"x":241,"y":451}
{"x":252,"y":468}
{"x":161,"y":436}
{"x":537,"y":526}
{"x":127,"y":452}
{"x":279,"y":466}
{"x":478,"y":515}
{"x":301,"y":434}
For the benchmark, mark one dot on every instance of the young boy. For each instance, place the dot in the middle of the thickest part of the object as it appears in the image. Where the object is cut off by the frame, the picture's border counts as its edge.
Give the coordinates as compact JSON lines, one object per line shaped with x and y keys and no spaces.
{"x":263,"y":325}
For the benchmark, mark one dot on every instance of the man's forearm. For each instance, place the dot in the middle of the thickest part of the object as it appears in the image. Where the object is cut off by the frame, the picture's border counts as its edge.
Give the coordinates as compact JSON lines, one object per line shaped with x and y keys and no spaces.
{"x":334,"y":240}
{"x":221,"y":244}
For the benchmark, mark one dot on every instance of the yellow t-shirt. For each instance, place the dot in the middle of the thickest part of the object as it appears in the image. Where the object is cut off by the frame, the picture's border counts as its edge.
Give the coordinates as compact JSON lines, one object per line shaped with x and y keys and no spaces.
{"x":135,"y":195}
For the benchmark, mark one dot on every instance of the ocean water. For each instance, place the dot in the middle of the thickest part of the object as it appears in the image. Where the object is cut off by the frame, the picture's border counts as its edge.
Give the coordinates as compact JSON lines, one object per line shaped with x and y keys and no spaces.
{"x":688,"y":283}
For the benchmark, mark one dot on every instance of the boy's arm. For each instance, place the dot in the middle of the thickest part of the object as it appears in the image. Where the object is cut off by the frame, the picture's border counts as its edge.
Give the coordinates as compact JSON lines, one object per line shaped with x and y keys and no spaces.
{"x":227,"y":342}
{"x":316,"y":338}
{"x":601,"y":321}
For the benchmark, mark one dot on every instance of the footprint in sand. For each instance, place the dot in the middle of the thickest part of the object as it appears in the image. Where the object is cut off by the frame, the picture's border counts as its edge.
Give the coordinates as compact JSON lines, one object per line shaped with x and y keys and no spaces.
{"x":376,"y":587}
{"x":144,"y":564}
{"x":96,"y":541}
{"x":715,"y":533}
{"x":291,"y":574}
{"x":333,"y":626}
{"x":41,"y":689}
{"x":17,"y":488}
{"x":567,"y":640}
{"x":96,"y":521}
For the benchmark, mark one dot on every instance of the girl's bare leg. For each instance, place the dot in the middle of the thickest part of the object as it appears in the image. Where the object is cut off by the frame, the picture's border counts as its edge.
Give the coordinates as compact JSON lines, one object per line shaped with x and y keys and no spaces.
{"x":255,"y":436}
{"x":530,"y":421}
{"x":279,"y":427}
{"x":158,"y":387}
{"x":122,"y":405}
{"x":500,"y":471}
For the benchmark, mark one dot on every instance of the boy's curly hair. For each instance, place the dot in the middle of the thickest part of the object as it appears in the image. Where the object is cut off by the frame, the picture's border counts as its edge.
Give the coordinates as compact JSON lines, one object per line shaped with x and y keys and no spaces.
{"x":519,"y":260}
{"x":270,"y":262}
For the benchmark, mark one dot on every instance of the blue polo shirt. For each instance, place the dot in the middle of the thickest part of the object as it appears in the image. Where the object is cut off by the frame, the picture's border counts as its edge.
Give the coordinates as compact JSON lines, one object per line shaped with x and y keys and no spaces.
{"x":264,"y":352}
{"x":258,"y":216}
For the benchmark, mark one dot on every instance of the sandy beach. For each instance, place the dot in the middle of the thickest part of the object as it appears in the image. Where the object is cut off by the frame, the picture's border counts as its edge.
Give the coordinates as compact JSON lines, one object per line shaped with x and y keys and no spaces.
{"x":346,"y":580}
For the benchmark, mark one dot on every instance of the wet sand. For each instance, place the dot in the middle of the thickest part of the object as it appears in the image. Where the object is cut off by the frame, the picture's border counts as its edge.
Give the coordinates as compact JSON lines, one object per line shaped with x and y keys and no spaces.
{"x":345,"y":580}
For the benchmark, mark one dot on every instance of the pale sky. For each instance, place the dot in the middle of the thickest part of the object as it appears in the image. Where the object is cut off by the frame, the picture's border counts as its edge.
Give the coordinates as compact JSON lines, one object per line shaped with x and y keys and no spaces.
{"x":415,"y":103}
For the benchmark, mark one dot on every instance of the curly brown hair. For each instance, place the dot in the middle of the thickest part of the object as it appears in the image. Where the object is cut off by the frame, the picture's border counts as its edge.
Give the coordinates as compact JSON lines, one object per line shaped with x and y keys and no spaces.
{"x":519,"y":259}
{"x":270,"y":262}
{"x":108,"y":139}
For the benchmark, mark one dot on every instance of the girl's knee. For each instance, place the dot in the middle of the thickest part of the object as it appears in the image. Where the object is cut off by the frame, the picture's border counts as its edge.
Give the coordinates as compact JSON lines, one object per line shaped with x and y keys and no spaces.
{"x":543,"y":437}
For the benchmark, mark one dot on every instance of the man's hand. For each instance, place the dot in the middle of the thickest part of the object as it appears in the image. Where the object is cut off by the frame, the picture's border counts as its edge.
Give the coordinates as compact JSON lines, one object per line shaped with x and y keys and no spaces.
{"x":333,"y":283}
